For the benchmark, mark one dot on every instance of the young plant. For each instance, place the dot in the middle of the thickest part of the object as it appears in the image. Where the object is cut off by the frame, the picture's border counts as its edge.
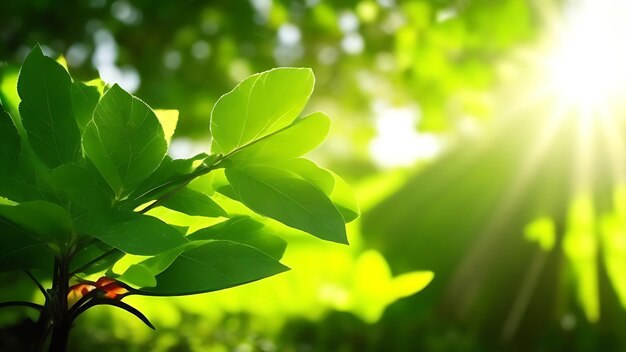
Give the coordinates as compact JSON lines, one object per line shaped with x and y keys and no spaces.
{"x":84,"y":170}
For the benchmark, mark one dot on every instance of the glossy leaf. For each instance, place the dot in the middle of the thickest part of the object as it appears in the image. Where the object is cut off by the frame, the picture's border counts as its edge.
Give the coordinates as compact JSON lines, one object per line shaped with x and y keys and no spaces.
{"x":135,"y":233}
{"x":261,"y":104}
{"x":193,"y":202}
{"x":46,"y":110}
{"x":296,"y":140}
{"x":124,"y":140}
{"x":284,"y":196}
{"x":243,"y":229}
{"x":213,"y":266}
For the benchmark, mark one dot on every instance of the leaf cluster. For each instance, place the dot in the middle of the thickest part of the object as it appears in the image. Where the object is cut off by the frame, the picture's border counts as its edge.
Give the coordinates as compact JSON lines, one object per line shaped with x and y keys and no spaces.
{"x":83,"y":165}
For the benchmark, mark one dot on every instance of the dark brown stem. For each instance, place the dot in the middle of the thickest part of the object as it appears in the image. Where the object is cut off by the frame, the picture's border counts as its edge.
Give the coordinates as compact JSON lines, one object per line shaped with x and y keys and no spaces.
{"x":60,"y":320}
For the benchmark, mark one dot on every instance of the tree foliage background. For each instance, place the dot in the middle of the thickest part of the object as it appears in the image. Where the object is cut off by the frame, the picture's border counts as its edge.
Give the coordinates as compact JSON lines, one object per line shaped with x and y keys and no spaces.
{"x":457,"y":162}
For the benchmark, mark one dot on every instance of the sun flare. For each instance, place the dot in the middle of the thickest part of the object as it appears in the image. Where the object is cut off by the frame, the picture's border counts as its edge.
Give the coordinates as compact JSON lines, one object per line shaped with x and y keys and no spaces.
{"x":587,"y":63}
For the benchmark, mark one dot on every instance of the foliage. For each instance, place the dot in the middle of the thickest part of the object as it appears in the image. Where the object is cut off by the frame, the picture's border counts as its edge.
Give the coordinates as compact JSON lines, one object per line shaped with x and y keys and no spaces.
{"x":86,"y":163}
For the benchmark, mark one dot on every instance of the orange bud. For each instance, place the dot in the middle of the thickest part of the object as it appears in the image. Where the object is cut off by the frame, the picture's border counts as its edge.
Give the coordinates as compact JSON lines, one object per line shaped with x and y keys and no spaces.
{"x":78,"y":291}
{"x":111,"y":287}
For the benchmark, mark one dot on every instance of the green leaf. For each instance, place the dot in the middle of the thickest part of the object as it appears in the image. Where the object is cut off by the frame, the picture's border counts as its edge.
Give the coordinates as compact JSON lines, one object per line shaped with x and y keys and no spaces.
{"x":168,"y":120}
{"x":195,"y":203}
{"x":20,"y":250}
{"x":46,"y":110}
{"x":144,"y":272}
{"x":284,"y":196}
{"x":44,"y":220}
{"x":296,"y":140}
{"x":124,"y":140}
{"x":135,"y":233}
{"x":243,"y":229}
{"x":343,"y":198}
{"x":84,"y":101}
{"x":213,"y":266}
{"x":261,"y":104}
{"x":138,"y":275}
{"x":10,"y":145}
{"x":309,"y":171}
{"x":83,"y":186}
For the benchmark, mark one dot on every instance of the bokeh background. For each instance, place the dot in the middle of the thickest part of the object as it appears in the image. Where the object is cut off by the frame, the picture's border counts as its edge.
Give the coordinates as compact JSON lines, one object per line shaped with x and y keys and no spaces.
{"x":484,"y":139}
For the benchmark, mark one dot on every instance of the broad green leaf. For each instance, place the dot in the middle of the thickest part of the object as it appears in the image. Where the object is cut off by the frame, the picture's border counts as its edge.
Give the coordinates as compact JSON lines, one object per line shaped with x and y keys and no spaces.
{"x":135,"y":233}
{"x":296,"y":140}
{"x":20,"y":250}
{"x":168,"y":120}
{"x":284,"y":196}
{"x":10,"y":143}
{"x":84,"y":101}
{"x":243,"y":229}
{"x":46,"y":110}
{"x":261,"y":104}
{"x":44,"y":220}
{"x":213,"y":266}
{"x":343,"y":198}
{"x":309,"y":171}
{"x":195,"y":203}
{"x":124,"y":140}
{"x":83,"y":186}
{"x":138,"y":275}
{"x":142,"y":272}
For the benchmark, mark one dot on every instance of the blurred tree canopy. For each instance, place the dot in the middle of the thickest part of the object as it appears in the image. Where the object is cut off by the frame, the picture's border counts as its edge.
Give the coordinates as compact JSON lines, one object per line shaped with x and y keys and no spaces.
{"x":444,"y":54}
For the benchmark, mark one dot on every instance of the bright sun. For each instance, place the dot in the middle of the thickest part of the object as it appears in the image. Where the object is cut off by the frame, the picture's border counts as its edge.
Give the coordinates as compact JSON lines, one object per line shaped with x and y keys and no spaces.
{"x":587,"y":65}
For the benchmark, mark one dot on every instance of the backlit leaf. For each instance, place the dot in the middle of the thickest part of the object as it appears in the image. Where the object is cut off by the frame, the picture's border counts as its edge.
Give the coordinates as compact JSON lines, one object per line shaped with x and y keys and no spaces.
{"x":296,"y":140}
{"x":46,"y":110}
{"x":243,"y":229}
{"x":284,"y":196}
{"x":213,"y":266}
{"x":168,"y":120}
{"x":193,"y":202}
{"x":261,"y":104}
{"x":124,"y":140}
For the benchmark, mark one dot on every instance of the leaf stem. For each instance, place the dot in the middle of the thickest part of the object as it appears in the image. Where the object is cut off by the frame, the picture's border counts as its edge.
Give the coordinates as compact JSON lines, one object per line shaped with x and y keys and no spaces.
{"x":39,"y":286}
{"x":199,"y":172}
{"x":32,"y":305}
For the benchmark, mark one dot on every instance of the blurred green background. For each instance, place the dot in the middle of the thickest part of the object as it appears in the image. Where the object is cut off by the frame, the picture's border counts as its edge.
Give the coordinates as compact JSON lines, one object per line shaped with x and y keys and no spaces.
{"x":484,"y":140}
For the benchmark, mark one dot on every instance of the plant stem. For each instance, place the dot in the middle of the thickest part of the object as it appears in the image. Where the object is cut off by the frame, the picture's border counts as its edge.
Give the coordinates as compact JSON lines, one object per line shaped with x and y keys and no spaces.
{"x":60,"y":320}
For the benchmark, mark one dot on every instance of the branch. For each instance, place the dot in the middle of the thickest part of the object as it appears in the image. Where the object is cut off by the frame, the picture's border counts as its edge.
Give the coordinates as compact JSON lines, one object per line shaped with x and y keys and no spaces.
{"x":199,"y":172}
{"x":39,"y":286}
{"x":112,"y":302}
{"x":32,"y":305}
